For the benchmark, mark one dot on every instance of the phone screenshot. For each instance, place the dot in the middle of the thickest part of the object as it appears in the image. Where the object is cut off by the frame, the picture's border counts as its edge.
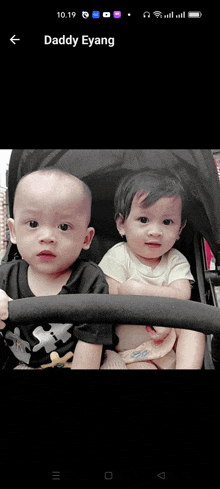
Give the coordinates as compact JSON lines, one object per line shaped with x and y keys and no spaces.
{"x":109,"y":250}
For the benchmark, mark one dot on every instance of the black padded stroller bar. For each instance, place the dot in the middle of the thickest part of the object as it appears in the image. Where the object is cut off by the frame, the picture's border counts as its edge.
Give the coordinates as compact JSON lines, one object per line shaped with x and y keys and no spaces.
{"x":117,"y":309}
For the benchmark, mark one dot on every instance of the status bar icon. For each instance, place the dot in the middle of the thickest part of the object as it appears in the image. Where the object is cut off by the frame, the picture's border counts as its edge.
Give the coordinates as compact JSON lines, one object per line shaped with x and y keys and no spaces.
{"x":117,"y":14}
{"x":194,"y":15}
{"x":95,"y":14}
{"x":157,"y":14}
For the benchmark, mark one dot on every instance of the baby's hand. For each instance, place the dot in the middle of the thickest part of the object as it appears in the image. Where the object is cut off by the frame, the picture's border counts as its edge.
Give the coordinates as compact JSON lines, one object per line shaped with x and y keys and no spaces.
{"x":4,"y":299}
{"x":158,"y":334}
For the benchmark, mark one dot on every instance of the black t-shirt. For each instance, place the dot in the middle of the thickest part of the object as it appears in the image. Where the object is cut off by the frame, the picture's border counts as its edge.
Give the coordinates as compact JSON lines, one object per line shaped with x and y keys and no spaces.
{"x":33,"y":344}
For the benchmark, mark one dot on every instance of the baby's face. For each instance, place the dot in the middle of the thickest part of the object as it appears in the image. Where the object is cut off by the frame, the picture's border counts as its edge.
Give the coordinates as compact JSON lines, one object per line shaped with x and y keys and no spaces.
{"x":152,"y":231}
{"x":50,"y":226}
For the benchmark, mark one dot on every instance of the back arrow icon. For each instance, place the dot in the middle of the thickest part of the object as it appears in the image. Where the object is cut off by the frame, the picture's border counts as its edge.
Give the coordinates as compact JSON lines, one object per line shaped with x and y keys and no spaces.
{"x":13,"y":39}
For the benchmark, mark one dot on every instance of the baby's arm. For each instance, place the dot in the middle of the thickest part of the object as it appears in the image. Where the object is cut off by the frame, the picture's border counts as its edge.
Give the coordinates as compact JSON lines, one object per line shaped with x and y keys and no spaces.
{"x":4,"y":300}
{"x":87,"y":356}
{"x":179,"y":289}
{"x":113,"y":285}
{"x":131,"y":287}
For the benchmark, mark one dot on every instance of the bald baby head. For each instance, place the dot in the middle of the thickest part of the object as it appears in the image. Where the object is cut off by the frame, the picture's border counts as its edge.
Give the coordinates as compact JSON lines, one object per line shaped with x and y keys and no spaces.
{"x":51,"y":212}
{"x":52,"y":183}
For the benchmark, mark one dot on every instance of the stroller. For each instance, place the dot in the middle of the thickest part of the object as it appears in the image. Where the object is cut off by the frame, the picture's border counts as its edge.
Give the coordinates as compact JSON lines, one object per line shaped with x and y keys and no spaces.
{"x":102,"y":170}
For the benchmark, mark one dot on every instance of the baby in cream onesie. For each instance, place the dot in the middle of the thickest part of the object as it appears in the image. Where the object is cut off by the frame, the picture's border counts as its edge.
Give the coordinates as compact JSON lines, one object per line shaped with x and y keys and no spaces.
{"x":150,"y":213}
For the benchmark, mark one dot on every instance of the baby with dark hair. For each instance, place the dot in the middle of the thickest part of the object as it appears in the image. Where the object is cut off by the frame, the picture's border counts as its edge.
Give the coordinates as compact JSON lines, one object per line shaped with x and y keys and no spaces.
{"x":150,"y":213}
{"x":160,"y":184}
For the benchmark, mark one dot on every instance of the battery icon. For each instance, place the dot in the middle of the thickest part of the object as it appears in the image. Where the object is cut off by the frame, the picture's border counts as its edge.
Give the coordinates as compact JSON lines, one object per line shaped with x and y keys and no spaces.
{"x":194,"y":15}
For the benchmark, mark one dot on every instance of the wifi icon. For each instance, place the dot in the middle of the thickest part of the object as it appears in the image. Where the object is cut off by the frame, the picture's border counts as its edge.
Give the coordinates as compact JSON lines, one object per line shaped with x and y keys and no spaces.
{"x":157,"y":13}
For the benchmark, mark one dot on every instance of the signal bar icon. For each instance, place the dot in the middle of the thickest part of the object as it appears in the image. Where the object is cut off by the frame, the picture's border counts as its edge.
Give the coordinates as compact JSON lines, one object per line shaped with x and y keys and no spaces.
{"x":181,"y":16}
{"x":169,"y":16}
{"x":178,"y":16}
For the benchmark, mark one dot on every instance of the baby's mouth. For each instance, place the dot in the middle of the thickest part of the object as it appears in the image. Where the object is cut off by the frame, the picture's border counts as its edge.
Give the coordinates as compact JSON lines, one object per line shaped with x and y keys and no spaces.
{"x":153,"y":244}
{"x":46,"y":255}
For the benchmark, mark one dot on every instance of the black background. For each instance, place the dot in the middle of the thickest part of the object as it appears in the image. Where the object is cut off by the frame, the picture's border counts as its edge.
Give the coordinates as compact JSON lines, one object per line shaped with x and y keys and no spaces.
{"x":157,"y":88}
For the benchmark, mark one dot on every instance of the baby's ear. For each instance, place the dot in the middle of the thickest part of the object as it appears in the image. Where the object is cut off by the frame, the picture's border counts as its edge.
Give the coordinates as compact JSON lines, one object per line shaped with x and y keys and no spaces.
{"x":11,"y":225}
{"x":120,"y":225}
{"x":182,"y":227}
{"x":88,"y":238}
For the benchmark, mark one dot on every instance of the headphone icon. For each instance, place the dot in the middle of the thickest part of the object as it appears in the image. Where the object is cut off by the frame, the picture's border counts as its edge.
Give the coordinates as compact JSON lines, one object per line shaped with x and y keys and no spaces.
{"x":146,"y":14}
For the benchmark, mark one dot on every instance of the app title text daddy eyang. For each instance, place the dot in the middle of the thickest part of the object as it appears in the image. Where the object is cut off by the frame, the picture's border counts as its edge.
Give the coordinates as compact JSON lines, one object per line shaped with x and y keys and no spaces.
{"x":85,"y":40}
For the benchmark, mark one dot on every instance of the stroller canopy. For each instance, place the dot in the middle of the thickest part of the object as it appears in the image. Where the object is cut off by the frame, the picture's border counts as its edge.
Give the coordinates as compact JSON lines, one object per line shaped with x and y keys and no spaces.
{"x":102,"y":169}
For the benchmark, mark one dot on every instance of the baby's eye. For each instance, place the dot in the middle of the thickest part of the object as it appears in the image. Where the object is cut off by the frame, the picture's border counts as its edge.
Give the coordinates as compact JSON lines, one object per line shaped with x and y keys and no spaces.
{"x":33,"y":224}
{"x":144,"y":220}
{"x":167,"y":222}
{"x":64,"y":227}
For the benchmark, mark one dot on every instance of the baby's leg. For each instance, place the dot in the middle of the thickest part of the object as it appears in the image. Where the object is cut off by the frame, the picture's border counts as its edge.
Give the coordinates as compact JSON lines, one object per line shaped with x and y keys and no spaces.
{"x":168,"y":362}
{"x":141,"y":366}
{"x":113,"y":361}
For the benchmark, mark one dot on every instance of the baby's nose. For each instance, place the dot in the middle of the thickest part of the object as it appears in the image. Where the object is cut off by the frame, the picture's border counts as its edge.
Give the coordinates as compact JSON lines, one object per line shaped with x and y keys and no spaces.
{"x":155,"y":230}
{"x":47,"y":236}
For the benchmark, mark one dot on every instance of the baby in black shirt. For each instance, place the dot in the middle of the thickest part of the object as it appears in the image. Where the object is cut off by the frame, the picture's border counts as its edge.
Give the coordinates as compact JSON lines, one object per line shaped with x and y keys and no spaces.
{"x":50,"y":228}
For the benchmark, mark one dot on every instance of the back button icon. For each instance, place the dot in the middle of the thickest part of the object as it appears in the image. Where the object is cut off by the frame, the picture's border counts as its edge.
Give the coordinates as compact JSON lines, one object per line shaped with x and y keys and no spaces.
{"x":161,"y":475}
{"x":14,"y":39}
